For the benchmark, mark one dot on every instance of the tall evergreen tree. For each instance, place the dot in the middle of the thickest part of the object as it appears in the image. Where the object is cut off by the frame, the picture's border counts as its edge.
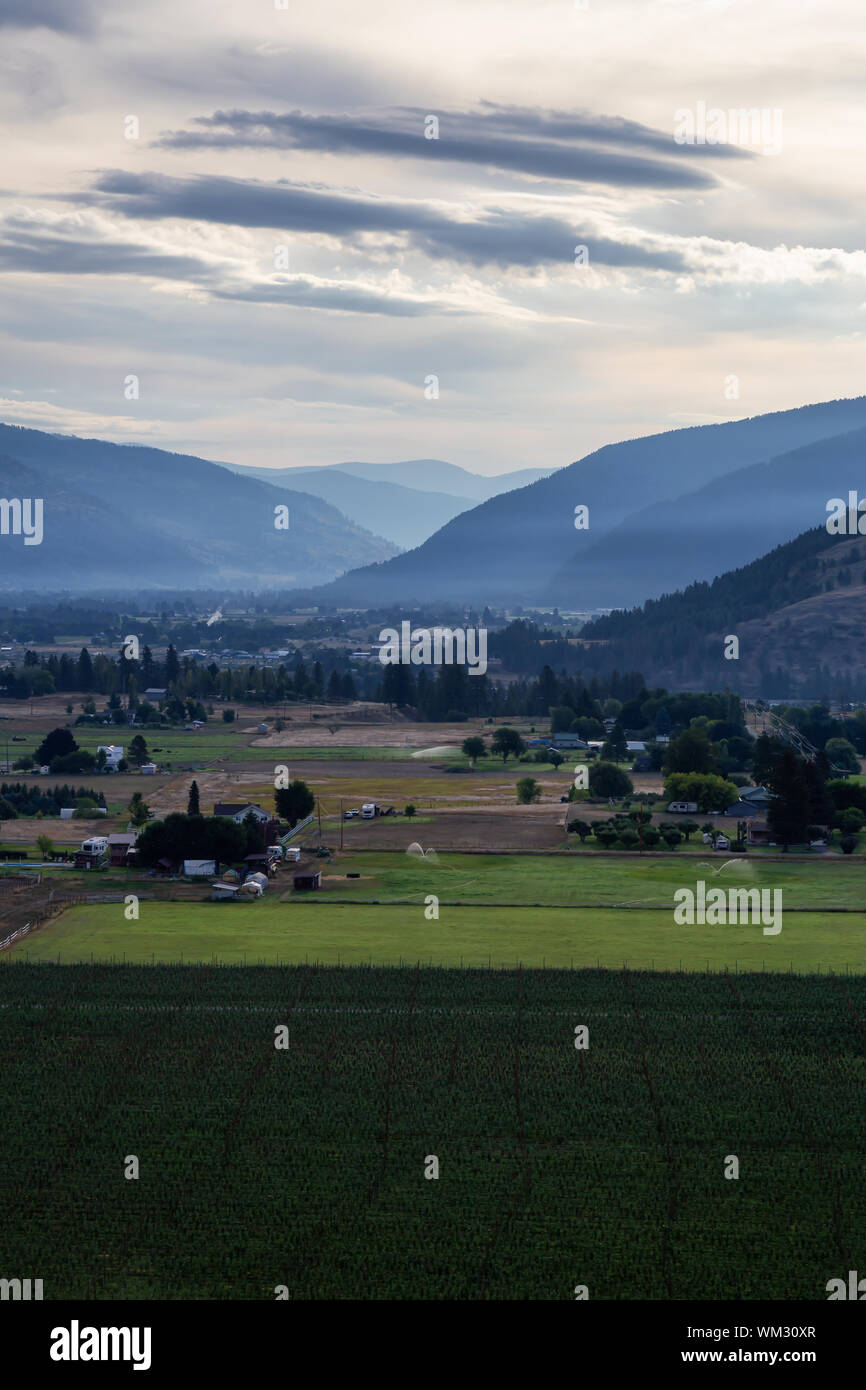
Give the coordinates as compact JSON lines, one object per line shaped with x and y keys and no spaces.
{"x":85,"y":670}
{"x":192,"y":806}
{"x":172,"y":665}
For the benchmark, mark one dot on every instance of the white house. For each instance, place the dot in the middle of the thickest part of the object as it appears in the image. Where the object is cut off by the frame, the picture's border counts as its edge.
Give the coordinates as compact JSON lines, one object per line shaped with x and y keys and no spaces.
{"x":238,"y":811}
{"x":113,"y":754}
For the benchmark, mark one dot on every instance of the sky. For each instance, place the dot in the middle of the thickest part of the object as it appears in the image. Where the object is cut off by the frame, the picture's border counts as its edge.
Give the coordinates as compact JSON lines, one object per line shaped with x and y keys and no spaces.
{"x":497,"y":233}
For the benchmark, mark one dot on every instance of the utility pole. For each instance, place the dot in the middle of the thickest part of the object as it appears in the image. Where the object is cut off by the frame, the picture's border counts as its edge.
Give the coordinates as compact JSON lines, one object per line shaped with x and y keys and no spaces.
{"x":341,"y":823}
{"x":319,"y":807}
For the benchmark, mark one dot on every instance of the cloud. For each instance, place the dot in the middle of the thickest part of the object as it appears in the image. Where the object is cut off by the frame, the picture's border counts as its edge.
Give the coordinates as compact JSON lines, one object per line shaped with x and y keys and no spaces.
{"x":571,"y":147}
{"x":29,"y":244}
{"x":66,"y":16}
{"x":88,"y":243}
{"x":494,"y":236}
{"x":309,"y":292}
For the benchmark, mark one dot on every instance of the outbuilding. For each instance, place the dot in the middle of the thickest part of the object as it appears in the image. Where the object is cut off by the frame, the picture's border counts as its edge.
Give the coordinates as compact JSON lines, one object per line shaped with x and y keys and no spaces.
{"x":307,"y":882}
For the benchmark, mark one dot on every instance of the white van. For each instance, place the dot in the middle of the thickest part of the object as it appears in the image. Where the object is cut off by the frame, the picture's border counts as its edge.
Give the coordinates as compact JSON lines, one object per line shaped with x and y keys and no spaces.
{"x":368,"y":810}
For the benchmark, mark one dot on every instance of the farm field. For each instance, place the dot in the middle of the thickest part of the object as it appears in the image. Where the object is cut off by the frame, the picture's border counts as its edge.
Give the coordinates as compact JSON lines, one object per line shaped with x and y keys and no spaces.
{"x":305,"y":1167}
{"x":273,"y":932}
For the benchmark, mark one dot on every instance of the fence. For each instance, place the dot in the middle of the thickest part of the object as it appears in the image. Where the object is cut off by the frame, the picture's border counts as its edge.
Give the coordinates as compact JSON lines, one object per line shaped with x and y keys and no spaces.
{"x":301,"y":825}
{"x":22,"y":931}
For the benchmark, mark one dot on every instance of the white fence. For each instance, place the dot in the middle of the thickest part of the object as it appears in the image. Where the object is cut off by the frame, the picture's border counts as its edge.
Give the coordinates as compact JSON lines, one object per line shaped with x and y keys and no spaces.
{"x":22,"y":931}
{"x":301,"y":825}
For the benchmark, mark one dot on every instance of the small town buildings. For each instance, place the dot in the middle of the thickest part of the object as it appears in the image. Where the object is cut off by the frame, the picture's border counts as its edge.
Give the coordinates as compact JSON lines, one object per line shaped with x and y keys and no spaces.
{"x":155,"y":692}
{"x":149,"y":769}
{"x":113,"y":755}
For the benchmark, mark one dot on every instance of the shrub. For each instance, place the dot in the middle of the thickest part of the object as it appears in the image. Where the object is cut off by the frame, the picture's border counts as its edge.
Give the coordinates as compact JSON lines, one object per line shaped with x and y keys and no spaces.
{"x":528,"y":790}
{"x":848,"y":844}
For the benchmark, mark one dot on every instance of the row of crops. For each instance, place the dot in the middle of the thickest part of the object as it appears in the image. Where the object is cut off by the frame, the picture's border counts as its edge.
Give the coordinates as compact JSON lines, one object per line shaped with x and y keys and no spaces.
{"x":305,"y":1166}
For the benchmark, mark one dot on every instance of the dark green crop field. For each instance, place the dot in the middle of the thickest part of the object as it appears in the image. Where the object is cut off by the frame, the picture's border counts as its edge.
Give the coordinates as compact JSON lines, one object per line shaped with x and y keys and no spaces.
{"x":304,"y":1166}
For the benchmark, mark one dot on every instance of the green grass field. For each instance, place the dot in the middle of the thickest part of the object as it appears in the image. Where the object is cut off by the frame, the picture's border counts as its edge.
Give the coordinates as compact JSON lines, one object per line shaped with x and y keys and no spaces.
{"x":306,"y":1167}
{"x":581,"y":879}
{"x":272,"y":932}
{"x":541,"y":910}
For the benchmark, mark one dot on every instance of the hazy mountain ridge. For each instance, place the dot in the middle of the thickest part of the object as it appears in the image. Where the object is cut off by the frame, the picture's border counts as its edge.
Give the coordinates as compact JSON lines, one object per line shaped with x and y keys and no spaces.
{"x":117,"y":513}
{"x":724,"y":524}
{"x":404,"y":502}
{"x":521,"y":546}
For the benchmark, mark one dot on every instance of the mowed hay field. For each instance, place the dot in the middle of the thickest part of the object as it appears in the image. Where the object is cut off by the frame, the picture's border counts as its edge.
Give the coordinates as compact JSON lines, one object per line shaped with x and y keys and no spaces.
{"x":304,"y":1166}
{"x":493,"y":909}
{"x":273,"y":933}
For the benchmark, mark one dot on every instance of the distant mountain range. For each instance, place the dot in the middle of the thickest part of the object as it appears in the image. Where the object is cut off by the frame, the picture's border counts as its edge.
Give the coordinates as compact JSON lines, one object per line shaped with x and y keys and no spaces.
{"x":117,"y":515}
{"x":663,"y":510}
{"x":384,"y":497}
{"x":797,"y":615}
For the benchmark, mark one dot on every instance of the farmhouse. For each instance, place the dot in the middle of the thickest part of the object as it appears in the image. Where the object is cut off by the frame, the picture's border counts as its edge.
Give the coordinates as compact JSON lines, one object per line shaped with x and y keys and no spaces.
{"x":113,"y":755}
{"x":239,"y":810}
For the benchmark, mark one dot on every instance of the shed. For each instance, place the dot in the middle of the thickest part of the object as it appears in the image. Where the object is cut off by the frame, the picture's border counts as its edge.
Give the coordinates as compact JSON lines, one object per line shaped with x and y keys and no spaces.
{"x":307,"y":882}
{"x":224,"y":892}
{"x":120,"y":847}
{"x":199,"y":868}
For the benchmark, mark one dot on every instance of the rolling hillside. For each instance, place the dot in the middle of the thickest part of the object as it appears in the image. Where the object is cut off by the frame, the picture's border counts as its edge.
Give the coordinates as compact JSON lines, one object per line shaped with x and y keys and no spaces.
{"x":513,"y":547}
{"x":120,"y":514}
{"x":797,"y":612}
